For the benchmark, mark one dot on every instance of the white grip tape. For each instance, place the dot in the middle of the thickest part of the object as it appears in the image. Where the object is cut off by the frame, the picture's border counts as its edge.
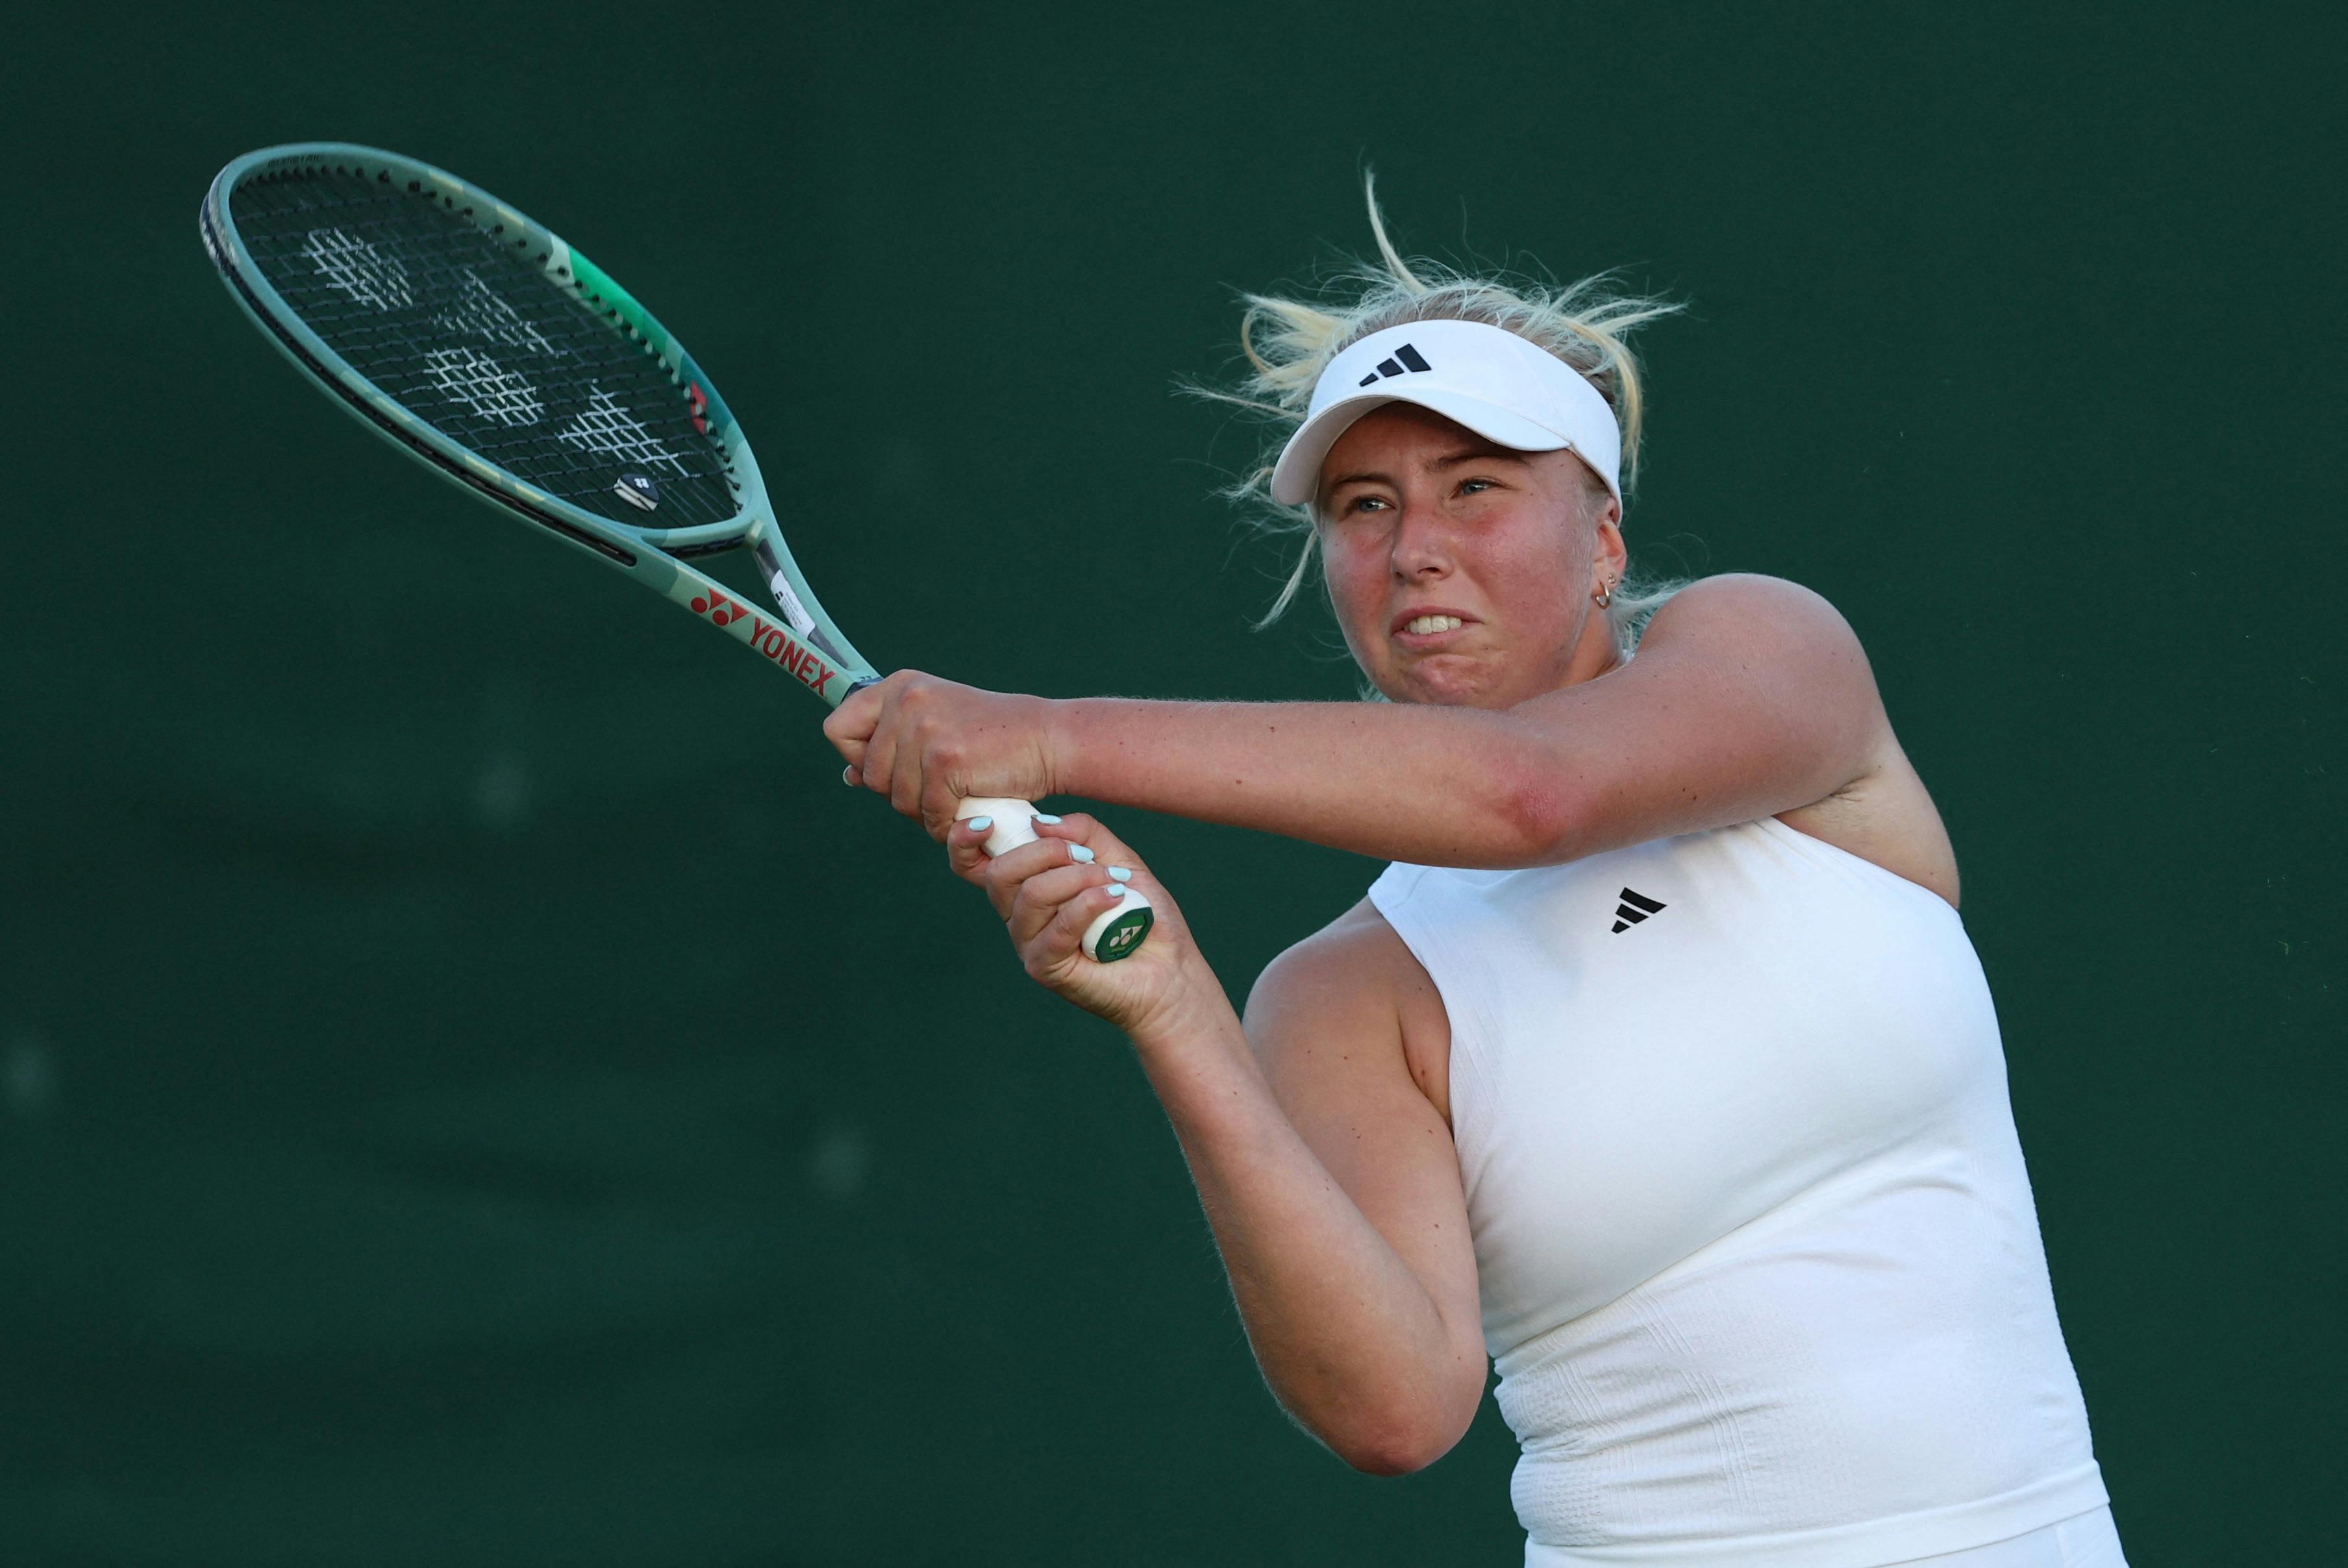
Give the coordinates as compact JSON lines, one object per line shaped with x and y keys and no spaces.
{"x":1015,"y":826}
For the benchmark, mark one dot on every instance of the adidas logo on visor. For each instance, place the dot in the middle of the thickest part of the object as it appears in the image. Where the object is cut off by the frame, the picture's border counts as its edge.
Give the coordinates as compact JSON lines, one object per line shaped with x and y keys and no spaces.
{"x":1411,"y":361}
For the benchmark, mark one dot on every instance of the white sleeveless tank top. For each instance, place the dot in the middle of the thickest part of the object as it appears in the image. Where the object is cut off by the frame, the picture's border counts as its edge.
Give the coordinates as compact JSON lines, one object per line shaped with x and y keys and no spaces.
{"x":1760,"y":1270}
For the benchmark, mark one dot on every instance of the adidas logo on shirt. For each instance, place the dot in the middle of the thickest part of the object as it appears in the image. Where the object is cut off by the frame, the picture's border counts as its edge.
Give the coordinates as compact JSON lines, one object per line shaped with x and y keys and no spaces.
{"x":1634,"y":908}
{"x":1410,"y":360}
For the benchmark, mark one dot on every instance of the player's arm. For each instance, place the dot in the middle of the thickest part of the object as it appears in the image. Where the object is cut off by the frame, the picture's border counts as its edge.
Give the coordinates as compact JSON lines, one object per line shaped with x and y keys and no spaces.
{"x":1750,"y":696}
{"x":1370,"y":1334}
{"x":1328,"y":1177}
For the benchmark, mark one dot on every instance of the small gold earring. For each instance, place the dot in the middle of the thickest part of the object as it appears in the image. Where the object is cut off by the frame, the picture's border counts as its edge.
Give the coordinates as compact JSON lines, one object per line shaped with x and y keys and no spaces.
{"x":1604,"y":597}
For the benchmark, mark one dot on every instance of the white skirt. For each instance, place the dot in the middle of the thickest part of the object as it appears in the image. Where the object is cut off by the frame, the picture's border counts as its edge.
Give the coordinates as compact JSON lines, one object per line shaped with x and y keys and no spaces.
{"x":2089,"y":1541}
{"x":2086,"y":1540}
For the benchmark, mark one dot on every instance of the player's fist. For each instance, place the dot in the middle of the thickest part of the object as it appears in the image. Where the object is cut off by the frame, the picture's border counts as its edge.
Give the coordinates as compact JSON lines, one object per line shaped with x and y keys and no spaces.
{"x":927,"y":744}
{"x":1050,"y":892}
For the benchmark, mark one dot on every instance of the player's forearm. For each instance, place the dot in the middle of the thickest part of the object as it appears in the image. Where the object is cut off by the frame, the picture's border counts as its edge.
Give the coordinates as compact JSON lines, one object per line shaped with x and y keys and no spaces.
{"x":1346,"y":1335}
{"x":1438,"y":786}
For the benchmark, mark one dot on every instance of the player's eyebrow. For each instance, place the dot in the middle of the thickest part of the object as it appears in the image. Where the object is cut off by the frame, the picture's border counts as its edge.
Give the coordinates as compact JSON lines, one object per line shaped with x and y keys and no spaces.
{"x":1484,"y":454}
{"x":1488,"y":454}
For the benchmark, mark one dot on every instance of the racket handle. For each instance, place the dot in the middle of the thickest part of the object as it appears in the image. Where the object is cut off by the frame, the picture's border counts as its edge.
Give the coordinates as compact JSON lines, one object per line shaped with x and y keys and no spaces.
{"x":1117,"y":930}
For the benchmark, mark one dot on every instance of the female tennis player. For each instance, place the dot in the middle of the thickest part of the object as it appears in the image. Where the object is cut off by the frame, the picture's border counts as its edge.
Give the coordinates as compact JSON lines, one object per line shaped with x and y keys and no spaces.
{"x":1657,"y":1064}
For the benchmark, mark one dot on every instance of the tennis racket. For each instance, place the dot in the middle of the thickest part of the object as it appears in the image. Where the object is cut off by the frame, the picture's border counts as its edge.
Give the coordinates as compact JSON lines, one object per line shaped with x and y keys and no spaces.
{"x":480,"y":343}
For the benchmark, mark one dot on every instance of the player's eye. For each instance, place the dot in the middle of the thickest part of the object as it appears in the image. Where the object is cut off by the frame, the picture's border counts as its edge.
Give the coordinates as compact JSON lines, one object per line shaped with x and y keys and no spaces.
{"x":1475,"y":487}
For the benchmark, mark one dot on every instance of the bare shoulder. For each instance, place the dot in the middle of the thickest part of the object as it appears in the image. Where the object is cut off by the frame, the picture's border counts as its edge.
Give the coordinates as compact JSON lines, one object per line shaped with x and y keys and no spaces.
{"x":1749,"y":612}
{"x":1351,"y":997}
{"x":1882,"y":813}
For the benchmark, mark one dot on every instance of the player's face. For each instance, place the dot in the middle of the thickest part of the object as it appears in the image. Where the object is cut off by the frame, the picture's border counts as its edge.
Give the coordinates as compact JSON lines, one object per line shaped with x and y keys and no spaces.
{"x":1462,"y":571}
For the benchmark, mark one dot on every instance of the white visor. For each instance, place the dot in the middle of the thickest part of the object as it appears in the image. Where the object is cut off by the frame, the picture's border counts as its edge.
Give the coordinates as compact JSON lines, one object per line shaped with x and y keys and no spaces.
{"x":1495,"y":383}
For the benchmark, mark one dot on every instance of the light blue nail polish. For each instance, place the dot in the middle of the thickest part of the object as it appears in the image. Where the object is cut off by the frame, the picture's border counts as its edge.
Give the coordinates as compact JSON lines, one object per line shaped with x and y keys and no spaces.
{"x":1045,"y":817}
{"x":1116,"y":890}
{"x":1080,"y":854}
{"x":1121,"y":873}
{"x":979,"y":824}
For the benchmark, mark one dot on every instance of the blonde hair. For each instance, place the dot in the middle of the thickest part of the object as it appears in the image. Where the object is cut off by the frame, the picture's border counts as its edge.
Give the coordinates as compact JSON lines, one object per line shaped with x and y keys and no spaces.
{"x":1288,"y":342}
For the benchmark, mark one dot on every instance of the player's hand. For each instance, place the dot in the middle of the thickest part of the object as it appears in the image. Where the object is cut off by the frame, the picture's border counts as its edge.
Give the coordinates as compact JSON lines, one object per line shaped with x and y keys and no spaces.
{"x":1046,"y":893}
{"x":928,"y":744}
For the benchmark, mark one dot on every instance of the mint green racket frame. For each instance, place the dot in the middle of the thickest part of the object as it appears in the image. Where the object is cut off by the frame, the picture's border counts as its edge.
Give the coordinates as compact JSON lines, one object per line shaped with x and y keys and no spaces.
{"x":804,"y":644}
{"x":813,"y":652}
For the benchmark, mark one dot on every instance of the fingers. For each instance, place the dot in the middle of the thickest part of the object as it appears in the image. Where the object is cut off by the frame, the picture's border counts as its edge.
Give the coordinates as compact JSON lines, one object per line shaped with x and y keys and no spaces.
{"x":1085,"y":831}
{"x":925,"y":743}
{"x":1058,"y":942}
{"x":939,"y":802}
{"x":849,"y":726}
{"x":1045,"y":898}
{"x":1053,"y":890}
{"x":879,"y":760}
{"x":1003,"y":876}
{"x":1060,"y":846}
{"x":966,"y":849}
{"x":904,"y":786}
{"x":880,"y":734}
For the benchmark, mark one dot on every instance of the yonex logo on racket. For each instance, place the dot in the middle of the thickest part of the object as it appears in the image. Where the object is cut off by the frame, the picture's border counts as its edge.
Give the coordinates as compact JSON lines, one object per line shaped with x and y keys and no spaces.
{"x":771,"y":638}
{"x":720,"y":610}
{"x":1406,"y":361}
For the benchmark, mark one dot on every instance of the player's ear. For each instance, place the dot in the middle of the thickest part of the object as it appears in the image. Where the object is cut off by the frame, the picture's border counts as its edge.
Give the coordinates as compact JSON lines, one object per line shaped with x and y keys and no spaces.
{"x":1610,"y":557}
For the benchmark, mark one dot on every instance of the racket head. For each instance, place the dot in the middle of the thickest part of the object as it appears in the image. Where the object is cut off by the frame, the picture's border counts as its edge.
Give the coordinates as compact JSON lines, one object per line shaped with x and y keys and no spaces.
{"x":479,"y":342}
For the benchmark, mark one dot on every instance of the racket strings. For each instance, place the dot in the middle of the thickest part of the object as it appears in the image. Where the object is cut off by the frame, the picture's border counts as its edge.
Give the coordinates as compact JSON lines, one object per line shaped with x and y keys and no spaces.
{"x":468,"y":333}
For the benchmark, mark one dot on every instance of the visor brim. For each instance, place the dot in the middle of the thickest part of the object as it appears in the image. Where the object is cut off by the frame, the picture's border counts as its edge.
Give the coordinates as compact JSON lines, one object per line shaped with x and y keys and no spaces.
{"x":1296,"y":477}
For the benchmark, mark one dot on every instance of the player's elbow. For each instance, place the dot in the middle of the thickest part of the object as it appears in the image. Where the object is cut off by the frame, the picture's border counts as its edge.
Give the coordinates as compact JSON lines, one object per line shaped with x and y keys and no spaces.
{"x":1394,"y":1462}
{"x":1534,"y":811}
{"x":1402,"y":1432}
{"x":1396,"y":1449}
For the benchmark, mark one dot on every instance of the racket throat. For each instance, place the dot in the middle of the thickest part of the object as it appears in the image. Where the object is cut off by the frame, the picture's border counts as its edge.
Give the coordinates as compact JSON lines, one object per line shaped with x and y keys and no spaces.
{"x":787,"y":599}
{"x":789,"y":602}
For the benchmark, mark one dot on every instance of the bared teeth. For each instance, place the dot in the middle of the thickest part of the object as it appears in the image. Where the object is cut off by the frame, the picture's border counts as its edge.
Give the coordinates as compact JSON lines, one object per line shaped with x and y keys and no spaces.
{"x":1419,"y":625}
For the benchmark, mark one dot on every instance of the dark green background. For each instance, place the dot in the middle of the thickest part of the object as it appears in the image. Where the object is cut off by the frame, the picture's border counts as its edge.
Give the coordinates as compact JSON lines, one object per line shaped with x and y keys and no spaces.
{"x":475,"y":1089}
